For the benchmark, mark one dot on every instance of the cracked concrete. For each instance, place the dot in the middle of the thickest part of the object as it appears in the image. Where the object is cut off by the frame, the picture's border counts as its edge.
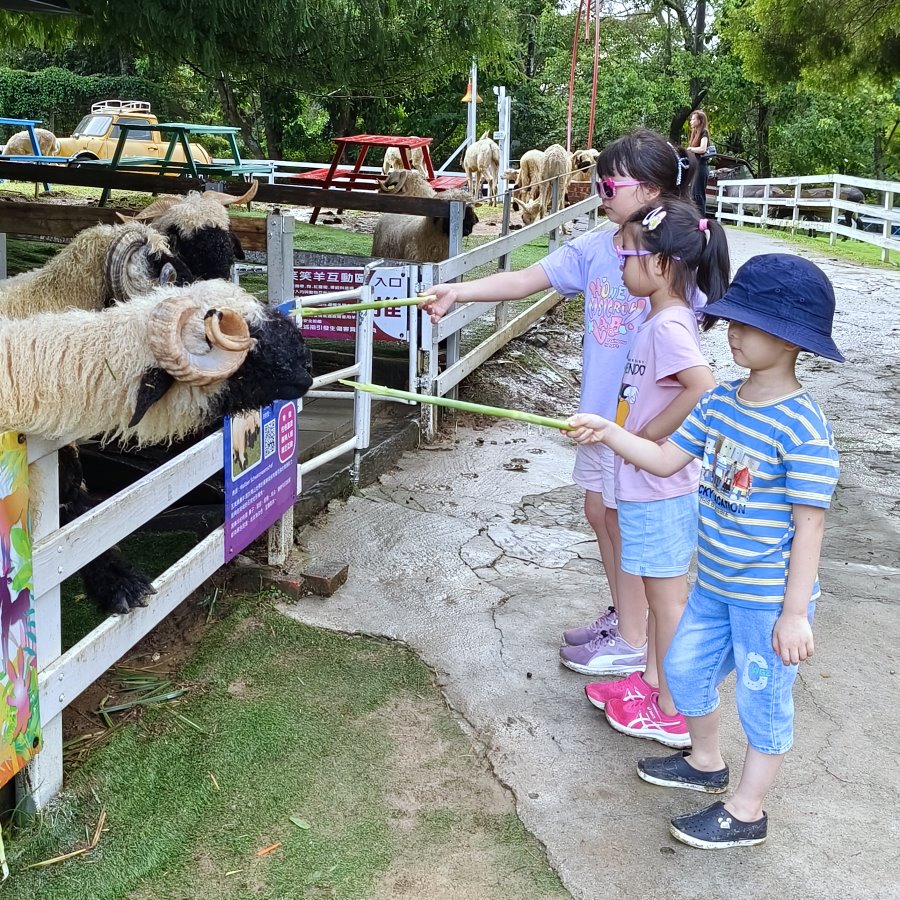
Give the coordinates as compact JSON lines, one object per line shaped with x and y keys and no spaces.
{"x":479,"y":566}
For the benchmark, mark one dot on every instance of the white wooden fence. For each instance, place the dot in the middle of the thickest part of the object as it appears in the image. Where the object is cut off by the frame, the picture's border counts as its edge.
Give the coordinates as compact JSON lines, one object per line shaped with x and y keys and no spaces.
{"x":60,"y":552}
{"x":793,"y":210}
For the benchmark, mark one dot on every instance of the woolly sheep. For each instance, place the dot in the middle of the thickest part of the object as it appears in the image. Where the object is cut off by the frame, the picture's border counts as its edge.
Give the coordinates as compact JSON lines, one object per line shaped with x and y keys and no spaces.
{"x":528,"y":176}
{"x":153,"y":370}
{"x":393,"y":160}
{"x":20,"y":143}
{"x":199,"y":229}
{"x":244,"y":436}
{"x":418,"y":238}
{"x":584,"y":165}
{"x":101,"y":264}
{"x":482,"y":164}
{"x":556,"y":169}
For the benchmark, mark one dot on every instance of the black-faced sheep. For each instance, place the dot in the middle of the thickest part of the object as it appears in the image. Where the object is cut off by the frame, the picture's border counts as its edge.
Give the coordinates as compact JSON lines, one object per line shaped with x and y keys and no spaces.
{"x":20,"y":143}
{"x":418,"y":238}
{"x":393,"y":160}
{"x":583,"y":166}
{"x":481,"y":164}
{"x":199,"y":229}
{"x":152,"y":370}
{"x":102,"y":264}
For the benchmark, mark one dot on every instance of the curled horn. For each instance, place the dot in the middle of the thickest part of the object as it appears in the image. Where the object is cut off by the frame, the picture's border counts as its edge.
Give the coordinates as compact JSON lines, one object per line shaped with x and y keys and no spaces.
{"x":395,"y":181}
{"x":154,"y":210}
{"x":119,"y":259}
{"x":180,"y":320}
{"x":229,"y":199}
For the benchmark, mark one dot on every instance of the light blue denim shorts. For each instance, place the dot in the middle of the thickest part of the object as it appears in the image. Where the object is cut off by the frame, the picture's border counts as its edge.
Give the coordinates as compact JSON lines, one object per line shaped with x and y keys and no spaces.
{"x":658,"y":536}
{"x":713,"y":639}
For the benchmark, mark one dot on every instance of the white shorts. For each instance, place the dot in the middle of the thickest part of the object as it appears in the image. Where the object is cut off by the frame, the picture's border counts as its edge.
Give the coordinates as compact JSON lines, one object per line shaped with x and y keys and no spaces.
{"x":595,"y":470}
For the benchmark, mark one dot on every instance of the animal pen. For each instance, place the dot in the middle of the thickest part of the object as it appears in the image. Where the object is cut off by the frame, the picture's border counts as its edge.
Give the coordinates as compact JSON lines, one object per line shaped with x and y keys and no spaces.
{"x":59,"y":552}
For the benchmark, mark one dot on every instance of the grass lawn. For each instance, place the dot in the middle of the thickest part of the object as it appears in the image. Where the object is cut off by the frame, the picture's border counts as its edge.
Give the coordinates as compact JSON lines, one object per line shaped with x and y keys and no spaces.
{"x":337,"y":749}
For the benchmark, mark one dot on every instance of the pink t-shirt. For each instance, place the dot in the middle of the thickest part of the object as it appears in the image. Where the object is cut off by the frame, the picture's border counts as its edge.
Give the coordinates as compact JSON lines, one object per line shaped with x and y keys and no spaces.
{"x":665,"y":344}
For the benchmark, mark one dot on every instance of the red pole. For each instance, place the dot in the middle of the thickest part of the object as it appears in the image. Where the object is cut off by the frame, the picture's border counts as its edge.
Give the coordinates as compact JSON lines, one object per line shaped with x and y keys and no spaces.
{"x":572,"y":77}
{"x":587,"y":22}
{"x":590,"y":140}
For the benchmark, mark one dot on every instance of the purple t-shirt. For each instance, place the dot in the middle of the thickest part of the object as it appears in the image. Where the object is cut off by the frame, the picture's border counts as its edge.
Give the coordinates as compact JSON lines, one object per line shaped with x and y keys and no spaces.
{"x":589,"y":265}
{"x":666,"y":343}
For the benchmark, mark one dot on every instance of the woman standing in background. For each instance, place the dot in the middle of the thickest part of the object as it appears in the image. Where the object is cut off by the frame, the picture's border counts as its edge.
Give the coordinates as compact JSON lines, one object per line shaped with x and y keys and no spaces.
{"x":699,"y":144}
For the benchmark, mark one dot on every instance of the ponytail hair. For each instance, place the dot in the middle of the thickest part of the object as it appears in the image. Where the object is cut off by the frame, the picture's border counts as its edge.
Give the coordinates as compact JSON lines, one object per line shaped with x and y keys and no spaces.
{"x":693,"y":248}
{"x":649,"y":158}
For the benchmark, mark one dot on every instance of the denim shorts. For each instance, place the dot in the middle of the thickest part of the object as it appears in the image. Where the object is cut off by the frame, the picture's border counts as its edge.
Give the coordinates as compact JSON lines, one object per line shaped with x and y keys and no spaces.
{"x":659,"y":536}
{"x":713,"y":639}
{"x":595,"y":470}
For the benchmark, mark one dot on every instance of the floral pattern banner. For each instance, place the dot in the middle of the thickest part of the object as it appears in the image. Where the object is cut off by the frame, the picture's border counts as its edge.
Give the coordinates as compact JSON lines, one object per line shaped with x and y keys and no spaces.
{"x":20,"y":721}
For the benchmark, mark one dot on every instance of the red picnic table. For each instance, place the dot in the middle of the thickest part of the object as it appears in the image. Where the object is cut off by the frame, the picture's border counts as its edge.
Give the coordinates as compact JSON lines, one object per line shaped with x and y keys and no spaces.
{"x":354,"y":179}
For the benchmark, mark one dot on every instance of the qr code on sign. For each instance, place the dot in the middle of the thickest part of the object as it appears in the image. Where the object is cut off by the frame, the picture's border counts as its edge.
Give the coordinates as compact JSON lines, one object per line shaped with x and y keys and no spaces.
{"x":269,"y":435}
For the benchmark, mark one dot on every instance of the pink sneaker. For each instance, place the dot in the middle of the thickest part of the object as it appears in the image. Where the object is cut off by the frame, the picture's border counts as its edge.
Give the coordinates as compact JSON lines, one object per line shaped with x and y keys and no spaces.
{"x":575,"y":637}
{"x":629,"y":689}
{"x":644,"y":719}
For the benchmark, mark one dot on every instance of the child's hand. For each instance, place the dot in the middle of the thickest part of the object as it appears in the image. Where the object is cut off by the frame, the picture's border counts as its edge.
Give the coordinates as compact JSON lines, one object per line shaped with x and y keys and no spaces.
{"x":588,"y":429}
{"x":446,"y":297}
{"x":792,"y":638}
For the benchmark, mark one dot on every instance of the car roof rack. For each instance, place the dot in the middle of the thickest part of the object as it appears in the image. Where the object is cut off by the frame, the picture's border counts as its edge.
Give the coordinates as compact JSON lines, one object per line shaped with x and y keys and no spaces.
{"x":121,"y":106}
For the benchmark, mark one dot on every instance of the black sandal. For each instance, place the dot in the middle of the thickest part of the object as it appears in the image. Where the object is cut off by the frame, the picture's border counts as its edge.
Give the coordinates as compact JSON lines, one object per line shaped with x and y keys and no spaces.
{"x":714,"y":828}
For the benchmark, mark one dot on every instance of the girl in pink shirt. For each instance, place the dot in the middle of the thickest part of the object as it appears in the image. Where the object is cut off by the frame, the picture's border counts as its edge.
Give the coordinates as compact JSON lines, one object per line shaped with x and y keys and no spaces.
{"x":667,"y":253}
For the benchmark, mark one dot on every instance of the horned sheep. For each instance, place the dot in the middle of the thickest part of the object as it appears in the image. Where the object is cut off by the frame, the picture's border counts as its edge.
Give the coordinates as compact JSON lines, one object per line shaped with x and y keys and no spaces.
{"x":482,"y":164}
{"x":584,"y":165}
{"x":198,"y":229}
{"x":153,"y":370}
{"x":419,"y":238}
{"x":101,"y":264}
{"x":20,"y":143}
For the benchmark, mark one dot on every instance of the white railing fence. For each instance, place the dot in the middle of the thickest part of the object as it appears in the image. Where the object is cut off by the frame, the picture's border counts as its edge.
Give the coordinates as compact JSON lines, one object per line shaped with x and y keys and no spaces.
{"x":780,"y":203}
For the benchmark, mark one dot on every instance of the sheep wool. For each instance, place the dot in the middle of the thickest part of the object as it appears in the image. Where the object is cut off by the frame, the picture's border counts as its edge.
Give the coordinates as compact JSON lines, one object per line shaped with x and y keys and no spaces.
{"x":75,"y":278}
{"x":77,"y":374}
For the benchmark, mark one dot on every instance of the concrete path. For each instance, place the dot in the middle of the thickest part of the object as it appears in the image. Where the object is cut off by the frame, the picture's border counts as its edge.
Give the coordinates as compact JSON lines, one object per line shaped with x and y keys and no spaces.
{"x":476,"y":554}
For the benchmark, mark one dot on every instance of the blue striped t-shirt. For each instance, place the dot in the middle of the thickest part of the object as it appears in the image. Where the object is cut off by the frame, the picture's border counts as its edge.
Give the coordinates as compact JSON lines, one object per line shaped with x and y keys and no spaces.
{"x":757,"y":460}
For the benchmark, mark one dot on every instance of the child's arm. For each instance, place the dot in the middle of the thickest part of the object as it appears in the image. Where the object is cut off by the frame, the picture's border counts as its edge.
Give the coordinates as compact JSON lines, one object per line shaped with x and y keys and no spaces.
{"x":658,"y":460}
{"x":491,"y":289}
{"x":792,"y":638}
{"x":696,"y":381}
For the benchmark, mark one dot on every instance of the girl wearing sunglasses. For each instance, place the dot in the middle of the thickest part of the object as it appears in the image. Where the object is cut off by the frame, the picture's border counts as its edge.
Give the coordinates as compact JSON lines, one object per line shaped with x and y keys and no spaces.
{"x":668,"y":253}
{"x":638,"y":169}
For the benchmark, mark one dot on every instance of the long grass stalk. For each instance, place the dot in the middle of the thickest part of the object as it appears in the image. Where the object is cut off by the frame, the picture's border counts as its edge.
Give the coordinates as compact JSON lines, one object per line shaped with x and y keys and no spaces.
{"x":462,"y":406}
{"x":306,"y":311}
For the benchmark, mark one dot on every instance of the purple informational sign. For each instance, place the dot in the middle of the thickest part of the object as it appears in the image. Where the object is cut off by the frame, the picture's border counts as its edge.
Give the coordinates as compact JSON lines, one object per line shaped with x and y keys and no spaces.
{"x":260,"y":472}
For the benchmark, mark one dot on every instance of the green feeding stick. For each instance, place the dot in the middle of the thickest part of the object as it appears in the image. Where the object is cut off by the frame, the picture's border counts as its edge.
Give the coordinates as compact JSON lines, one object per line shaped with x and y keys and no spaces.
{"x":460,"y":405}
{"x":360,"y":307}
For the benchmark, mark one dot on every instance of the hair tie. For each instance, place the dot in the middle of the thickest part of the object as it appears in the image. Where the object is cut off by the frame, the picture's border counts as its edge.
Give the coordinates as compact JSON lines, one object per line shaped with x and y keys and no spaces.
{"x":703,"y":225}
{"x":682,"y":164}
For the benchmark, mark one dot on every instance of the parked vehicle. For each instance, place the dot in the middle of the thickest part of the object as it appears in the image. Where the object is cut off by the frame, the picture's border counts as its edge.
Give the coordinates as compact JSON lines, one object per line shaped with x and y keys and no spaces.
{"x":97,"y":134}
{"x":724,"y":168}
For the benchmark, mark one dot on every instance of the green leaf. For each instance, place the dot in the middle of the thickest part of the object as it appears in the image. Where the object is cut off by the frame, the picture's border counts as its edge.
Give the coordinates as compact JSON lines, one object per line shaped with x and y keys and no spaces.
{"x":301,"y":823}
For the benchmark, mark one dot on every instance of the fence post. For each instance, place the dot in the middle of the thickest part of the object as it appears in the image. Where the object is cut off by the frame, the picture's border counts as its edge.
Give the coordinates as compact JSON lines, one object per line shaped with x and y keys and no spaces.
{"x":835,"y":199}
{"x":765,"y":210}
{"x":887,"y":224}
{"x":42,"y":779}
{"x":741,"y":221}
{"x":280,"y":257}
{"x":457,"y":214}
{"x":553,"y":237}
{"x":795,"y":218}
{"x":280,"y":282}
{"x":501,"y":310}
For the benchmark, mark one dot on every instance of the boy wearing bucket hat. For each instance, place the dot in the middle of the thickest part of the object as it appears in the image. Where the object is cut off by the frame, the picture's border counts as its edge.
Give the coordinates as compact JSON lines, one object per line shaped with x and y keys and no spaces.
{"x":768,"y":470}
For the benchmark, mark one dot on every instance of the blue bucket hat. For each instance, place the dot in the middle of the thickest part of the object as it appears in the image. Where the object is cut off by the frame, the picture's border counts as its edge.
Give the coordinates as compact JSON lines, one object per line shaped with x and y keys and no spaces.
{"x":785,"y":296}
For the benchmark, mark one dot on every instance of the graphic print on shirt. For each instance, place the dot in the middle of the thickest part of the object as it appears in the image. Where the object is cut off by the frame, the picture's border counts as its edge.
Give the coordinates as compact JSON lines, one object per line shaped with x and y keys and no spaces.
{"x":611,"y":312}
{"x":727,"y":475}
{"x":628,"y":392}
